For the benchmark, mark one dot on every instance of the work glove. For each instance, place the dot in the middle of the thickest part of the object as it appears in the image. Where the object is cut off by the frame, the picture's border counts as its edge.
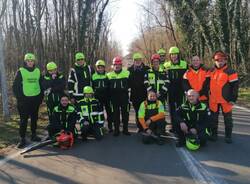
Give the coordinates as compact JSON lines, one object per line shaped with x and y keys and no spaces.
{"x":86,"y":123}
{"x":47,"y":91}
{"x":53,"y":76}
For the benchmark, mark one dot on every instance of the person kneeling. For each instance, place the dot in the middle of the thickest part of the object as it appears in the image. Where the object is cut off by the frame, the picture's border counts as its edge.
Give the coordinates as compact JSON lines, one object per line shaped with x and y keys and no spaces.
{"x":90,"y":115}
{"x":193,"y":118}
{"x":63,"y":118}
{"x":152,"y":118}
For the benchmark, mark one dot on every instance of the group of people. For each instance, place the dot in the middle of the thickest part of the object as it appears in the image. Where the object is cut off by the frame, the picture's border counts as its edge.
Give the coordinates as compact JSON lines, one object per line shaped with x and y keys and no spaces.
{"x":193,"y":93}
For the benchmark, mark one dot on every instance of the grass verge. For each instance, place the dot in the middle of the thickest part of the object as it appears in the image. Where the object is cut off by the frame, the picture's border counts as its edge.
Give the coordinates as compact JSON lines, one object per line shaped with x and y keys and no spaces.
{"x":9,"y":130}
{"x":244,"y":97}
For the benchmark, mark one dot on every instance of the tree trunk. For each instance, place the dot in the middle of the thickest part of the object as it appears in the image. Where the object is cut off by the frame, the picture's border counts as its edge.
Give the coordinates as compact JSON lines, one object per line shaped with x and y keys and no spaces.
{"x":4,"y":88}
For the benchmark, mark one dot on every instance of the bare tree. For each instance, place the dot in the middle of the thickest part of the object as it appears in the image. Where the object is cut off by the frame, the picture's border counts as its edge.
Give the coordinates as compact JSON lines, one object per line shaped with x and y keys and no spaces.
{"x":4,"y":87}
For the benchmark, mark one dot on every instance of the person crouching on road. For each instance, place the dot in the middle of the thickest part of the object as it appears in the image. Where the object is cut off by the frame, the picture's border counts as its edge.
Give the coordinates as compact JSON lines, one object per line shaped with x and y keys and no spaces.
{"x":224,"y":85}
{"x":152,"y":118}
{"x":63,"y":117}
{"x":101,"y":89}
{"x":193,"y":117}
{"x":90,"y":115}
{"x":27,"y":90}
{"x":53,"y":84}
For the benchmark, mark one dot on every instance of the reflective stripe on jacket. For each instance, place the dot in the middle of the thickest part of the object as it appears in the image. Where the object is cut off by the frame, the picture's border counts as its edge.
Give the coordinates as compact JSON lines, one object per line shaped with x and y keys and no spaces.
{"x":224,"y":85}
{"x":150,"y":110}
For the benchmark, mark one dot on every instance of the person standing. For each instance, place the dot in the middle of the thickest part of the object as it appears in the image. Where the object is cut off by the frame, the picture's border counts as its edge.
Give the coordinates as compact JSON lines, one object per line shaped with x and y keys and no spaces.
{"x":197,"y":78}
{"x":176,"y":68}
{"x":29,"y":95}
{"x":53,"y":84}
{"x":101,"y":89}
{"x":162,"y":52}
{"x":224,"y":85}
{"x":118,"y":86}
{"x":157,"y":79}
{"x":79,"y":77}
{"x":138,"y":91}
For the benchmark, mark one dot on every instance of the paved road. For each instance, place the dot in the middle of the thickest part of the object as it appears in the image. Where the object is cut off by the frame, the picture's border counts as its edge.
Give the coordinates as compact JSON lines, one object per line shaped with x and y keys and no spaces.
{"x":126,"y":160}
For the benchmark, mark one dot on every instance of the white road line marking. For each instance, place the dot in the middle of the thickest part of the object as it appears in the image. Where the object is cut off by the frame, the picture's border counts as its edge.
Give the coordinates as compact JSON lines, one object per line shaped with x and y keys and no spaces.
{"x":8,"y":158}
{"x":242,"y":108}
{"x":197,"y":171}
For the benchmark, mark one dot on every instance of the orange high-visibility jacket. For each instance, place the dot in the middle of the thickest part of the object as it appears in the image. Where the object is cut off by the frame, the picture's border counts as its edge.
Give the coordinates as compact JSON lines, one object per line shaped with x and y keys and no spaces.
{"x":197,"y":80}
{"x":224,"y":85}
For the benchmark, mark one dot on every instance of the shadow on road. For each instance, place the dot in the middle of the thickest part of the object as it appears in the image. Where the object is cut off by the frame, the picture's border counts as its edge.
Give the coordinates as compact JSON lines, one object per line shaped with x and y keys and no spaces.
{"x":36,"y":171}
{"x":128,"y":153}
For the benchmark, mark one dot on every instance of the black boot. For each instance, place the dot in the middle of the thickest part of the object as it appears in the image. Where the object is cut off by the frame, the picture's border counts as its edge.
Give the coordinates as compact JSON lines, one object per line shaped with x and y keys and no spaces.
{"x":21,"y":143}
{"x":214,"y":136}
{"x":228,"y":140}
{"x":116,"y":133}
{"x":179,"y":143}
{"x":228,"y":135}
{"x":126,"y":132}
{"x":160,"y":141}
{"x":117,"y":129}
{"x":84,"y":138}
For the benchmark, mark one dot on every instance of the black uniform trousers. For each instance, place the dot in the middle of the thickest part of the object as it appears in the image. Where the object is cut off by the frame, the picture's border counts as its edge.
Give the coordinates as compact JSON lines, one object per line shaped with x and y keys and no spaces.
{"x":28,"y":108}
{"x":157,"y":128}
{"x":228,"y":121}
{"x":120,"y":106}
{"x":174,"y":103}
{"x":136,"y":105}
{"x":106,"y":103}
{"x":92,"y":129}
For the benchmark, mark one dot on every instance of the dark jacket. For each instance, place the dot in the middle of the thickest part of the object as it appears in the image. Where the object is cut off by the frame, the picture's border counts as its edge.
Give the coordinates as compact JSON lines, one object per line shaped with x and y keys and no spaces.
{"x":90,"y":110}
{"x":224,"y":85}
{"x":138,"y":91}
{"x":79,"y":77}
{"x":64,"y":118}
{"x":195,"y":116}
{"x":118,"y":85}
{"x":175,"y":73}
{"x":158,"y":81}
{"x":100,"y":84}
{"x":56,"y":87}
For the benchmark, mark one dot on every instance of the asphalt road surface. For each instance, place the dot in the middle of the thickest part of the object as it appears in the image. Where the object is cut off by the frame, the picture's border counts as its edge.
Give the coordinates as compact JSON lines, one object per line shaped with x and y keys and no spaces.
{"x":125,"y":159}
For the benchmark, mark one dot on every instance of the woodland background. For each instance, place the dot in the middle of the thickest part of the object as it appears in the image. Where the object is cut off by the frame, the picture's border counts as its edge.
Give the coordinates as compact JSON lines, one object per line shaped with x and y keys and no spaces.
{"x":55,"y":29}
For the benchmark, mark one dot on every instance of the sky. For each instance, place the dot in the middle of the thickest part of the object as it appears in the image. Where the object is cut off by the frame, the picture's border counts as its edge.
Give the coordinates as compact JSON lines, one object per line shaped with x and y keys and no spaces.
{"x":125,"y":22}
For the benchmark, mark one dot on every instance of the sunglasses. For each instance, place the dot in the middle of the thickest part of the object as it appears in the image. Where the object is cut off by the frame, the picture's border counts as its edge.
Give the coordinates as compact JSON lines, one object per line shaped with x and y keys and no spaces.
{"x":137,"y":59}
{"x":219,"y":60}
